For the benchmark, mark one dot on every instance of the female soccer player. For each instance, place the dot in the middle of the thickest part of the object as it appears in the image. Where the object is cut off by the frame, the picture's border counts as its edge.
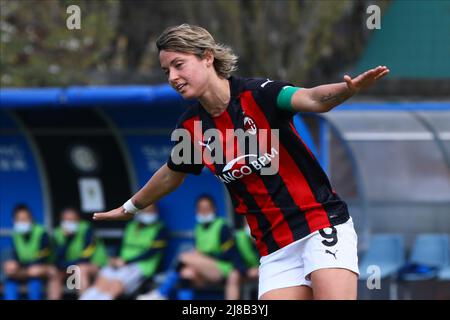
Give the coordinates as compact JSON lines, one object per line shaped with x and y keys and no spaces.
{"x":302,"y":228}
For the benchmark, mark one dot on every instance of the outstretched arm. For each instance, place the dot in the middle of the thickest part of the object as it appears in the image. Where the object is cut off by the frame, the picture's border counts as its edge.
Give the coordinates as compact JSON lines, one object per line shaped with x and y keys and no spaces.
{"x":325,"y":97}
{"x":161,"y":183}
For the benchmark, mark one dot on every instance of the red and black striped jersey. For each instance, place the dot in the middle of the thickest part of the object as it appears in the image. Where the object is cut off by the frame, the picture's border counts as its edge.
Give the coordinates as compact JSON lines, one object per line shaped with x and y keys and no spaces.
{"x":286,"y":205}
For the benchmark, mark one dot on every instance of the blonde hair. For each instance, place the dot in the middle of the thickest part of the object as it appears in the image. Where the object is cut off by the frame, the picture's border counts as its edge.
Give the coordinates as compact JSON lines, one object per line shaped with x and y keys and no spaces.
{"x":188,"y":38}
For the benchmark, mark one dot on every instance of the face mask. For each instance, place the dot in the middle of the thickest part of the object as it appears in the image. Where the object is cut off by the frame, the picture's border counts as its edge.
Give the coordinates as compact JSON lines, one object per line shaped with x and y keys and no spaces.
{"x":70,"y":226}
{"x":147,"y":218}
{"x":205,"y":218}
{"x":22,"y":227}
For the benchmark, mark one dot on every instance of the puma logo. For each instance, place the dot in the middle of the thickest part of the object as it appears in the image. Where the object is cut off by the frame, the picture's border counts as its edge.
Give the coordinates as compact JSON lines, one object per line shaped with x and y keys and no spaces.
{"x":264,"y":84}
{"x":206,"y":144}
{"x":333,"y":254}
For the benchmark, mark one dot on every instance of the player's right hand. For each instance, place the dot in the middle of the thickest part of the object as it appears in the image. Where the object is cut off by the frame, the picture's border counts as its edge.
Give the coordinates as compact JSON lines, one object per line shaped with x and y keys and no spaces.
{"x":115,"y":214}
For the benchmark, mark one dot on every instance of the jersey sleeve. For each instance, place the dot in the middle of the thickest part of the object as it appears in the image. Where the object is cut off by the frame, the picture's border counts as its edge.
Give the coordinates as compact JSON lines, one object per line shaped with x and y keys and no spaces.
{"x":185,"y":156}
{"x":267,"y":92}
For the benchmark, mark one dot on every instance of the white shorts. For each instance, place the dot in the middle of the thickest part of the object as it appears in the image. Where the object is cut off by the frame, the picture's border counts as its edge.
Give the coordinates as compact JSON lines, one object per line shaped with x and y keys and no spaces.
{"x":129,"y":275}
{"x":292,"y":265}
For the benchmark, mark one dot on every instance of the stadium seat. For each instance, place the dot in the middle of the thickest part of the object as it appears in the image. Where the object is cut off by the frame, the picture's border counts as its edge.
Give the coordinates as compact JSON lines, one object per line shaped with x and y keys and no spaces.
{"x":444,"y":274}
{"x":385,"y":251}
{"x":429,"y":255}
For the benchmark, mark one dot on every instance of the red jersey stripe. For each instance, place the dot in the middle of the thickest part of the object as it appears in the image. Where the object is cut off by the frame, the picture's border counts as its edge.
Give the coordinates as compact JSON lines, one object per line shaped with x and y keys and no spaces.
{"x":222,"y":123}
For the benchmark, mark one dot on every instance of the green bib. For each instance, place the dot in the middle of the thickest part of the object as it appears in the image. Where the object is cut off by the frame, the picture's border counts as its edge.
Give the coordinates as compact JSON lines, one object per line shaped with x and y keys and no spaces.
{"x":100,"y":256}
{"x":76,"y":246}
{"x":246,"y":249}
{"x":28,"y":251}
{"x":207,"y":241}
{"x":137,"y":240}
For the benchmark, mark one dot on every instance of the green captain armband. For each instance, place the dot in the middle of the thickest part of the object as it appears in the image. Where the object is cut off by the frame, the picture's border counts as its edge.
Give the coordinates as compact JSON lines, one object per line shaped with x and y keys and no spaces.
{"x":285,"y":97}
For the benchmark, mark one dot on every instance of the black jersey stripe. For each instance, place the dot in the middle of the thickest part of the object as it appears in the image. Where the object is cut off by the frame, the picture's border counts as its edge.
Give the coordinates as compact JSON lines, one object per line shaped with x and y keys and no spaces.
{"x":295,"y":218}
{"x":264,"y":225}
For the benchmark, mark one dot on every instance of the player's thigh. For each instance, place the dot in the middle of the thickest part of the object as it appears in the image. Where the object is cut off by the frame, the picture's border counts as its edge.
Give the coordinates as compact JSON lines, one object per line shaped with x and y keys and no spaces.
{"x":10,"y":267}
{"x":204,"y":265}
{"x":88,"y":269}
{"x":289,"y":293}
{"x":334,"y":284}
{"x":199,"y":261}
{"x":37,"y":270}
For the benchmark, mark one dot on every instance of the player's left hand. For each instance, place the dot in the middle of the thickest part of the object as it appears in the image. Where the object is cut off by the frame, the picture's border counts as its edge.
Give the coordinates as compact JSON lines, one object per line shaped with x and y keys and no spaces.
{"x":115,"y":214}
{"x":365,"y":79}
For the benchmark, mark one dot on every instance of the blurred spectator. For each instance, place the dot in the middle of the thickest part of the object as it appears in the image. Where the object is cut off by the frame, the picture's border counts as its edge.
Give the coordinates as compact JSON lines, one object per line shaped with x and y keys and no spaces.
{"x":245,"y":244}
{"x":31,"y":252}
{"x":214,"y":260}
{"x":75,"y":244}
{"x":143,"y":245}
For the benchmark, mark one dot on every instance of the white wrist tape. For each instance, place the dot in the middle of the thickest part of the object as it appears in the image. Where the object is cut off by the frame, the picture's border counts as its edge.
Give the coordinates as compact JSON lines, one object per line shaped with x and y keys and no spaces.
{"x":130,"y":207}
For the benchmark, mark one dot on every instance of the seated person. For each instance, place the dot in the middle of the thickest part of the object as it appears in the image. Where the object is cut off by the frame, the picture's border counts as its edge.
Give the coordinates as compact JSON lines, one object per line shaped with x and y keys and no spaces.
{"x":31,"y":252}
{"x":143,"y":245}
{"x":215,"y":258}
{"x":75,"y":244}
{"x":249,"y":254}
